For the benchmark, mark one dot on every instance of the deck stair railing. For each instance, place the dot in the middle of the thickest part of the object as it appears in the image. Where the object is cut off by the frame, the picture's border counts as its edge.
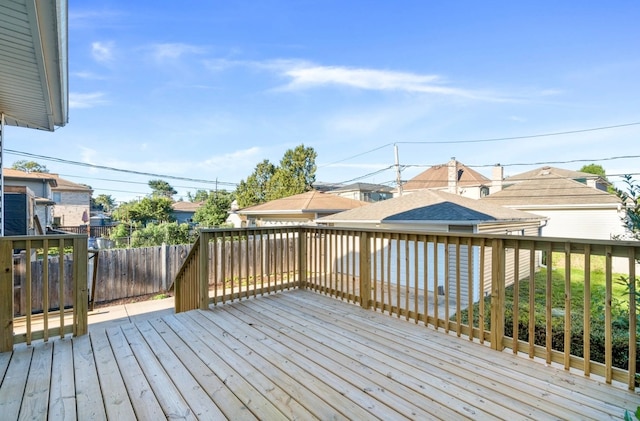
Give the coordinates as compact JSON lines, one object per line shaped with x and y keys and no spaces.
{"x":56,"y":305}
{"x":230,"y":264}
{"x":566,"y":301}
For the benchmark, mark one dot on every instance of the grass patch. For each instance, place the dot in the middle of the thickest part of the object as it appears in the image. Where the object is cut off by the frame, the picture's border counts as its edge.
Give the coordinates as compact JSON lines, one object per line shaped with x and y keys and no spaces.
{"x":596,"y":316}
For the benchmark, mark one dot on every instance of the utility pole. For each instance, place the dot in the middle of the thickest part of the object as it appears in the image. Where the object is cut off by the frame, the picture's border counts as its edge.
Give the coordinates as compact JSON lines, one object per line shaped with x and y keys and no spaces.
{"x":398,"y":179}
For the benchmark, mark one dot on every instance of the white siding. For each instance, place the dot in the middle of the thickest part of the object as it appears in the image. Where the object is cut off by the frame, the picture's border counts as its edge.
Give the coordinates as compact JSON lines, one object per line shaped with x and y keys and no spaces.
{"x":600,"y":224}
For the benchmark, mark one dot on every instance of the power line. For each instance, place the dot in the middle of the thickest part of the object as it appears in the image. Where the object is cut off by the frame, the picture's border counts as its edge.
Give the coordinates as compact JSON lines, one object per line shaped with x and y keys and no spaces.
{"x":103,"y":167}
{"x":498,"y":139}
{"x":521,"y":164}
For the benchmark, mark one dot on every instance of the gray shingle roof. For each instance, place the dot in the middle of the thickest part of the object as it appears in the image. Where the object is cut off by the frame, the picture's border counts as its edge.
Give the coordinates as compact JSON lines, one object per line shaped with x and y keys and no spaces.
{"x":431,"y":205}
{"x":550,"y":191}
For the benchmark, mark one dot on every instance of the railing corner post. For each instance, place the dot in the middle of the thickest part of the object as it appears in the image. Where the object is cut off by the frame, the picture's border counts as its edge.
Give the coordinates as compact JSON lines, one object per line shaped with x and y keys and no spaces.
{"x":81,"y":286}
{"x":6,"y":296}
{"x":365,"y":270}
{"x":204,"y":270}
{"x":497,"y":294}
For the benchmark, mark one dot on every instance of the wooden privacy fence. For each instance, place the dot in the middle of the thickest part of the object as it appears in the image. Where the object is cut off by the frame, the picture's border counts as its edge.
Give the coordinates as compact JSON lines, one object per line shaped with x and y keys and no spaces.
{"x":121,"y":273}
{"x":132,"y":272}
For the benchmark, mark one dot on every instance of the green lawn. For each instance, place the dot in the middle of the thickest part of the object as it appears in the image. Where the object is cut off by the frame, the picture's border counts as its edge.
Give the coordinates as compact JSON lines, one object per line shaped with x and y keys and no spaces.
{"x":620,"y":311}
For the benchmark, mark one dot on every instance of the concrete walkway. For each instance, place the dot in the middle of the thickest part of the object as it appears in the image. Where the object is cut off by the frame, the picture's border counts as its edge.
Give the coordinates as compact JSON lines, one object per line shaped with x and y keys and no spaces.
{"x":106,"y":317}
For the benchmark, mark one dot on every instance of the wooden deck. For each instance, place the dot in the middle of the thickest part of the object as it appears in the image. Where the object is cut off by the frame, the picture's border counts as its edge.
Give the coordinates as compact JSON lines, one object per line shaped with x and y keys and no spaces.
{"x":291,"y":355}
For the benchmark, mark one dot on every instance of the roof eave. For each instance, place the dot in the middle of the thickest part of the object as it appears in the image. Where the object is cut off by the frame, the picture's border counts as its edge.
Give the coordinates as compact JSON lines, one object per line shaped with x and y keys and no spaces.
{"x":48,"y":25}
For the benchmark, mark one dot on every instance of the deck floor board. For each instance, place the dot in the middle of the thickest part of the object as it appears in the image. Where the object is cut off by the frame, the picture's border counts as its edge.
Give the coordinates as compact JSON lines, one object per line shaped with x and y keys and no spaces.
{"x":291,"y":355}
{"x":501,"y":394}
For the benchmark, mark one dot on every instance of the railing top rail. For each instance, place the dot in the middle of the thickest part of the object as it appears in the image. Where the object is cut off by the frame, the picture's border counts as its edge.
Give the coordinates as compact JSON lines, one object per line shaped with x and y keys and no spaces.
{"x":250,"y":229}
{"x":42,"y":237}
{"x":558,"y":240}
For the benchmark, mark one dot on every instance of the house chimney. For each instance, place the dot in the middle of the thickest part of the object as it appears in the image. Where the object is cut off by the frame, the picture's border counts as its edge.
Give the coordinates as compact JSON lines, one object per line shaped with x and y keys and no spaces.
{"x":452,"y":176}
{"x":497,"y":176}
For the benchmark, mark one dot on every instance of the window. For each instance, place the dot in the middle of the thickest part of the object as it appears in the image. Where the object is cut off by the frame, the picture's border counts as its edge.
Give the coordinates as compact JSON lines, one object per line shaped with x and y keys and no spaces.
{"x":57,"y":197}
{"x":484,"y":191}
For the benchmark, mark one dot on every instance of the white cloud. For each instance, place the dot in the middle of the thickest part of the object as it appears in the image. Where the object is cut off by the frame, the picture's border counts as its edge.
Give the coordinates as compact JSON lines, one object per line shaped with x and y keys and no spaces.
{"x":173,"y":51}
{"x":233,"y":159}
{"x":88,"y":76}
{"x":307,"y":75}
{"x":89,"y":100}
{"x":102,"y":51}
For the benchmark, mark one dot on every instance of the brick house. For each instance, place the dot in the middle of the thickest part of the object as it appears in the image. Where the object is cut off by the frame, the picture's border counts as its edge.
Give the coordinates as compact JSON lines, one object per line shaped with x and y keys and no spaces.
{"x":72,"y":203}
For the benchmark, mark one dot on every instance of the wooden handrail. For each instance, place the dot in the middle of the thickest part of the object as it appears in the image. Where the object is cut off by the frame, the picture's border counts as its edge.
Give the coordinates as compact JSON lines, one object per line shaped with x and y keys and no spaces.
{"x":53,"y":312}
{"x":455,"y":282}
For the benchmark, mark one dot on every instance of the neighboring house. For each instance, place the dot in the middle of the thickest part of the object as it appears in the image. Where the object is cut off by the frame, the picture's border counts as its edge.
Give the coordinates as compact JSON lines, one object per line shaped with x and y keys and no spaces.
{"x":183,"y":211}
{"x":452,"y":177}
{"x":72,"y":203}
{"x":432,"y":211}
{"x":40,"y":187}
{"x":365,"y":192}
{"x":19,"y":211}
{"x":591,"y":180}
{"x":573,"y":209}
{"x":299,"y":209}
{"x":437,"y":211}
{"x":235,"y":219}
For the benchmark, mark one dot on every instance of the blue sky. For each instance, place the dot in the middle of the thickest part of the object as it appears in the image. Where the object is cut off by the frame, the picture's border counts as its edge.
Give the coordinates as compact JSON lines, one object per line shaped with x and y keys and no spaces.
{"x":205,"y":90}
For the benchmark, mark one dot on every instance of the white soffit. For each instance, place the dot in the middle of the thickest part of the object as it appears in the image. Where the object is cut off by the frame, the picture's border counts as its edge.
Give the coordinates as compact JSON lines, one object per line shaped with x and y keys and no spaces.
{"x":34,"y":89}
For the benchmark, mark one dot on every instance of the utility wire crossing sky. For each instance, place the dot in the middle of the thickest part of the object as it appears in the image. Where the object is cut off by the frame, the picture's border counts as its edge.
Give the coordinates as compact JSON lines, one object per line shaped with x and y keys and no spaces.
{"x":198,"y":93}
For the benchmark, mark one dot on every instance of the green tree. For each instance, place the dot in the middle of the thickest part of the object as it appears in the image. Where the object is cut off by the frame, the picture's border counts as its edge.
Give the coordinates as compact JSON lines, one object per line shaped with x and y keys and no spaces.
{"x":215,"y":209}
{"x":103,"y":202}
{"x":199,"y":196}
{"x":29,"y":166}
{"x":594,"y":169}
{"x":598,"y":169}
{"x":149,"y":209}
{"x":631,"y":201}
{"x":160,"y":188}
{"x":254,"y":190}
{"x":157,"y":234}
{"x":295,"y":174}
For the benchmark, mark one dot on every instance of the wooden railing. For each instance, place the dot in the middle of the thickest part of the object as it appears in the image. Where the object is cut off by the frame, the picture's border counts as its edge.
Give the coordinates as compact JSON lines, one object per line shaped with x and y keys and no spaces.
{"x":566,"y":301}
{"x":228,"y":264}
{"x":55,"y":316}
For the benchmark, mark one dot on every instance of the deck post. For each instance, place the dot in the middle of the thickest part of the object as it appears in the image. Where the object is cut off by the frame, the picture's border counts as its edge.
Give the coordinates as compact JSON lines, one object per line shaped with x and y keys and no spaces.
{"x":302,"y":258}
{"x":6,"y":296}
{"x":203,"y":271}
{"x":365,"y":270}
{"x":80,"y":286}
{"x":497,"y":294}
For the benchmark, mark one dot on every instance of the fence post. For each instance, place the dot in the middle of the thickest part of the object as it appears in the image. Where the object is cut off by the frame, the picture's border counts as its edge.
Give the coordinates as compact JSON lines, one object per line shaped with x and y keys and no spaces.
{"x":365,"y":271}
{"x":302,"y":258}
{"x":204,"y":270}
{"x":80,"y":285}
{"x":164,"y":265}
{"x":6,"y":296}
{"x":497,"y":294}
